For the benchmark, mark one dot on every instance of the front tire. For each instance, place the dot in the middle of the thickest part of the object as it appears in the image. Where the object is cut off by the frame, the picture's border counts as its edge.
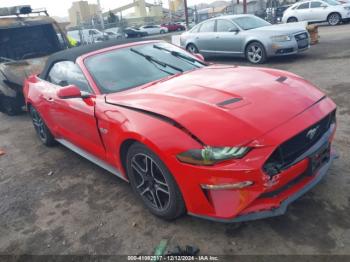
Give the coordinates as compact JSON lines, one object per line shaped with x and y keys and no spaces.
{"x":255,"y":53}
{"x":41,"y":129}
{"x":162,"y":31}
{"x":334,"y":19}
{"x":153,"y":183}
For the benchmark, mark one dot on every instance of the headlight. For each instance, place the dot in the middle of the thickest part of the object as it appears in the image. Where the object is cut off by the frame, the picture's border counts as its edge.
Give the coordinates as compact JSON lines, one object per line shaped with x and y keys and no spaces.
{"x":211,"y":155}
{"x":280,"y":38}
{"x":347,"y":7}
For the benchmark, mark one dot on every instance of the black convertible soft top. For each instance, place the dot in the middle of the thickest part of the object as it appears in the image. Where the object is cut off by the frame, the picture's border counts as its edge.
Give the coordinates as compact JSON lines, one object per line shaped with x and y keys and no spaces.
{"x":72,"y":54}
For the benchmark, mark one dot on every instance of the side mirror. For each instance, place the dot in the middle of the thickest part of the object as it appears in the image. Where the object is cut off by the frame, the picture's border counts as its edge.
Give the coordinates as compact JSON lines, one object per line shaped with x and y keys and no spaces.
{"x":199,"y":56}
{"x":324,"y":6}
{"x":70,"y":91}
{"x":234,"y":30}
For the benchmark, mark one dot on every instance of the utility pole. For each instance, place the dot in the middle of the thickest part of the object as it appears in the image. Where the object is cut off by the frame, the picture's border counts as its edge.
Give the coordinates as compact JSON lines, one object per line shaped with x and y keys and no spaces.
{"x":186,"y":14}
{"x":100,"y":15}
{"x":244,"y":6}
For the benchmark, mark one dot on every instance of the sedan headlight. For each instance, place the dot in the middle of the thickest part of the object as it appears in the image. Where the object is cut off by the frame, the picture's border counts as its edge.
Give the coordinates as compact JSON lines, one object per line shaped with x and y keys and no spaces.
{"x":280,"y":38}
{"x":211,"y":155}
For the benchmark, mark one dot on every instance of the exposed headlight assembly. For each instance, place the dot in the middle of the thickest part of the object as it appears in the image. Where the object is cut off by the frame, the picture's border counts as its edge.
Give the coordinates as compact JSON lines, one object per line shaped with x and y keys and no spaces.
{"x":211,"y":155}
{"x":280,"y":38}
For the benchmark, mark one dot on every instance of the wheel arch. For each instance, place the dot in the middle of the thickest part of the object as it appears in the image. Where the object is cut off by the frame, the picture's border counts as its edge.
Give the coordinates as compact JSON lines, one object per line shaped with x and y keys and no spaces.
{"x":334,"y":12}
{"x":252,"y":41}
{"x":123,"y":151}
{"x":191,"y":43}
{"x":292,"y":17}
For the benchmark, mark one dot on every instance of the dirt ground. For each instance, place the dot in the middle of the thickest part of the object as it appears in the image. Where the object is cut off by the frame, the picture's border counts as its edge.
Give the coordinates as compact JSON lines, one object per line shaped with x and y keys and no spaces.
{"x":82,"y":209}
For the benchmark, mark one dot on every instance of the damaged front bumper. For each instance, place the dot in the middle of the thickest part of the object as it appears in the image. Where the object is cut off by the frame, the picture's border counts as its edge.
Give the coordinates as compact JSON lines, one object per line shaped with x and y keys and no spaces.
{"x":275,"y":203}
{"x":282,"y":209}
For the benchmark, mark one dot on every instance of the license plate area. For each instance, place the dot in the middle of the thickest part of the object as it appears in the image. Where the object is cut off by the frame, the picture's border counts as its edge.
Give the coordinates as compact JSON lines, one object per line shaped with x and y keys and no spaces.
{"x":319,"y":158}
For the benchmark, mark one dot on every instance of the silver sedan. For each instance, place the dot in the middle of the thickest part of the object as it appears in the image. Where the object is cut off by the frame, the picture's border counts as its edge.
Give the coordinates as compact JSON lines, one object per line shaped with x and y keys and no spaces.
{"x":245,"y":36}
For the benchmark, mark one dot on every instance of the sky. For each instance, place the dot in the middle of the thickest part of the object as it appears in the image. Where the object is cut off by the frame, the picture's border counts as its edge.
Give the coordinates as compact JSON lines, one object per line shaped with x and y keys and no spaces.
{"x":60,"y":7}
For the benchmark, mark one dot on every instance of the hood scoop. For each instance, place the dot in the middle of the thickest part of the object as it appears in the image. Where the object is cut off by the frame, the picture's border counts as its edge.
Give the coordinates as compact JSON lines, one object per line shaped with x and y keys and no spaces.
{"x":281,"y":79}
{"x":229,"y":101}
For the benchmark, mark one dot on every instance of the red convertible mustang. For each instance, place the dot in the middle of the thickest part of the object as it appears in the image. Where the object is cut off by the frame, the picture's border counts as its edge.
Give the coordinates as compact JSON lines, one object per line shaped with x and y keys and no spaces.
{"x":222,"y":142}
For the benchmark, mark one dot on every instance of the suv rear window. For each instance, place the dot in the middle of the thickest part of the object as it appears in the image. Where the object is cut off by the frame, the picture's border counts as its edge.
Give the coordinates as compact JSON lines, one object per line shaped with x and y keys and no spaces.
{"x":28,"y":42}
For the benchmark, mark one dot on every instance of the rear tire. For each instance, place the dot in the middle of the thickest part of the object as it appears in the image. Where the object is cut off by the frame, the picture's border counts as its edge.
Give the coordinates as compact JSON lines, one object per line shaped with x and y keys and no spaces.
{"x":11,"y":105}
{"x":41,"y":129}
{"x":192,"y":49}
{"x":153,"y":183}
{"x":292,"y":20}
{"x":255,"y":53}
{"x":334,"y":19}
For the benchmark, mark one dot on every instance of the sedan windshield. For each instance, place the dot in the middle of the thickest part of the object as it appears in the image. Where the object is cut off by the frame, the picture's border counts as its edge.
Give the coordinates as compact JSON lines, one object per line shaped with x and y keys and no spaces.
{"x":126,"y":68}
{"x":250,"y":22}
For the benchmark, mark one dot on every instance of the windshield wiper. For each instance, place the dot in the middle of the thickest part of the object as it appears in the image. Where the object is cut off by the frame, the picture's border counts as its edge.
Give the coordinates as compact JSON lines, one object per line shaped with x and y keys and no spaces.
{"x":155,"y":60}
{"x":178,"y":54}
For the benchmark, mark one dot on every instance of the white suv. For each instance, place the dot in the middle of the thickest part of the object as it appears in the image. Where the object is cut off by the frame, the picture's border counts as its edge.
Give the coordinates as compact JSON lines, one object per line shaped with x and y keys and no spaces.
{"x":317,"y":11}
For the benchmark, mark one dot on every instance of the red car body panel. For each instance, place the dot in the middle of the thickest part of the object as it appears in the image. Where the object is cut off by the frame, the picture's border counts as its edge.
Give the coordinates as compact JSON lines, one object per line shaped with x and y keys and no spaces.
{"x":174,"y":27}
{"x":268,"y":113}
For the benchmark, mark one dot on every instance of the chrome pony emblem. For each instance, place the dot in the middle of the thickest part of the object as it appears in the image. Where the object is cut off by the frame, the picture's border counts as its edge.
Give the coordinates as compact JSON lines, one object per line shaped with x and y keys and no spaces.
{"x":312,"y":132}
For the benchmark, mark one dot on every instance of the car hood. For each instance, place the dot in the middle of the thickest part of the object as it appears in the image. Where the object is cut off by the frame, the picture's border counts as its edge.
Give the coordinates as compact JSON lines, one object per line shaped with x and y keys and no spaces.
{"x":224,"y":105}
{"x":17,"y":71}
{"x":281,"y":28}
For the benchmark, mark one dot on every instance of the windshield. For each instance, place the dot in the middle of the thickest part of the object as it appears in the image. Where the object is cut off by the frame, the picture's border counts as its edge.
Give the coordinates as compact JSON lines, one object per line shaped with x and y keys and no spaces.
{"x":331,"y":2}
{"x":126,"y":68}
{"x":250,"y":22}
{"x":29,"y":42}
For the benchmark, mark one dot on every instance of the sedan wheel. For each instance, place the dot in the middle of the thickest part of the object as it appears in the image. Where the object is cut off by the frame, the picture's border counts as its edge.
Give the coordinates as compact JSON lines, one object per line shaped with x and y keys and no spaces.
{"x":41,"y":129}
{"x":292,"y":20}
{"x":255,"y":53}
{"x":334,"y":19}
{"x":153,"y":183}
{"x":192,"y":49}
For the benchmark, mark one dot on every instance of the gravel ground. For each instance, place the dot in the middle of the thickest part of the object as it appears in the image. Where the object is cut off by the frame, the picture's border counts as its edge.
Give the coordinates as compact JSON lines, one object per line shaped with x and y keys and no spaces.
{"x":81,"y":209}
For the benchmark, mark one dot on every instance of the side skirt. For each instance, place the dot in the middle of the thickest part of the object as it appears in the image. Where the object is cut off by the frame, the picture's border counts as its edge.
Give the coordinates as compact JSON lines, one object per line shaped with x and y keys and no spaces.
{"x":91,"y":158}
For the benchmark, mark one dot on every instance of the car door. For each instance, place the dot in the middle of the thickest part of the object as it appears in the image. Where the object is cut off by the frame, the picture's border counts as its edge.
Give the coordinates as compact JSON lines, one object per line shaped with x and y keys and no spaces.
{"x":205,"y":38}
{"x":228,"y":38}
{"x":74,"y":117}
{"x":148,"y":29}
{"x":155,"y":29}
{"x":303,"y":12}
{"x":318,"y":11}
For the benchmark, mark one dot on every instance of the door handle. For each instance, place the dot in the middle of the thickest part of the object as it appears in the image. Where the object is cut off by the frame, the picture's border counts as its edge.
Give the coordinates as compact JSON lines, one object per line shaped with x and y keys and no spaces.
{"x":218,"y":37}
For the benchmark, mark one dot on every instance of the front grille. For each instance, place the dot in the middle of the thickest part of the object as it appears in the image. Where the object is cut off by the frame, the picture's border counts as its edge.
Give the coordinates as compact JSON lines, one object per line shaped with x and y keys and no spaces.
{"x":318,"y":160}
{"x":302,"y":40}
{"x":290,"y":150}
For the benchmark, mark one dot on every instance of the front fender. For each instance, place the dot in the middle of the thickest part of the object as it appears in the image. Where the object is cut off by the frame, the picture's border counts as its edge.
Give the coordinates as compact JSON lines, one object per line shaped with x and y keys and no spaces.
{"x":163,"y":138}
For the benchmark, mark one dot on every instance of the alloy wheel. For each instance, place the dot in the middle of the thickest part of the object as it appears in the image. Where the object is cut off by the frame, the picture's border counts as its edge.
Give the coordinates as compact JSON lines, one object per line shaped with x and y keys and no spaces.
{"x":150,"y":181}
{"x":334,"y":19}
{"x":192,"y":49}
{"x":255,"y":53}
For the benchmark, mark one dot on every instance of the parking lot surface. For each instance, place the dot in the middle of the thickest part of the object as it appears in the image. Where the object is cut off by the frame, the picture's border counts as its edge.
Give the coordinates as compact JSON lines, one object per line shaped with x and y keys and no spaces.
{"x":55,"y":202}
